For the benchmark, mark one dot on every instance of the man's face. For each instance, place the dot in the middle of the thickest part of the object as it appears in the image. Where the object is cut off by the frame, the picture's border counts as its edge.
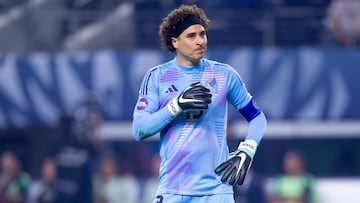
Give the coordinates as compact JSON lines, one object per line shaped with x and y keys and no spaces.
{"x":191,"y":45}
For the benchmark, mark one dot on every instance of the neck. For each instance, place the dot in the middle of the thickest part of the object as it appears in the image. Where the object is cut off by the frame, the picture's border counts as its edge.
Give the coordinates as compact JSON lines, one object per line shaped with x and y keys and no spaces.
{"x":187,"y":62}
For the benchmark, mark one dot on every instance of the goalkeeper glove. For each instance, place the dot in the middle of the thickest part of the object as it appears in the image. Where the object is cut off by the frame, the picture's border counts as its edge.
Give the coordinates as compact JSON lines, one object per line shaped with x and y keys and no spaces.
{"x":194,"y":97}
{"x":235,"y":169}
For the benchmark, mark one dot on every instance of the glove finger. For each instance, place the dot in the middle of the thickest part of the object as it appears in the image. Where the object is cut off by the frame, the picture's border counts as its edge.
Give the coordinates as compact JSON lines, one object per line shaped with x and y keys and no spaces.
{"x":241,"y":177}
{"x":196,"y":95}
{"x":234,"y":177}
{"x":200,"y":105}
{"x":196,"y":84}
{"x":228,"y":173}
{"x":201,"y":96}
{"x":222,"y":167}
{"x":203,"y":88}
{"x":199,"y":88}
{"x":205,"y":95}
{"x":199,"y":93}
{"x":244,"y":171}
{"x":206,"y":100}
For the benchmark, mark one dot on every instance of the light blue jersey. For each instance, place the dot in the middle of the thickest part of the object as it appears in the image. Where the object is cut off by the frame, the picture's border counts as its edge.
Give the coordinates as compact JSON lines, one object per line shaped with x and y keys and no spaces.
{"x":192,"y":144}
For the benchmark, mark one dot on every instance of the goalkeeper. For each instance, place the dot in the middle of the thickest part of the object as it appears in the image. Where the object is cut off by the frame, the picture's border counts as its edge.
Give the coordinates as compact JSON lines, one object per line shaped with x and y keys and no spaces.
{"x":185,"y":101}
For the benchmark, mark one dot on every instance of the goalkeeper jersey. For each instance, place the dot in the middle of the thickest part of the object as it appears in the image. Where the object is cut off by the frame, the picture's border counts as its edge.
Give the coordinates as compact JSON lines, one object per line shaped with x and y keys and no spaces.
{"x":192,"y":144}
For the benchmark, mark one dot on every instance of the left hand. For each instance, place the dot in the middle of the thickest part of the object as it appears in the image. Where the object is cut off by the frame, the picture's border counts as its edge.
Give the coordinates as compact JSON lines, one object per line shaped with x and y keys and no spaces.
{"x":235,"y":169}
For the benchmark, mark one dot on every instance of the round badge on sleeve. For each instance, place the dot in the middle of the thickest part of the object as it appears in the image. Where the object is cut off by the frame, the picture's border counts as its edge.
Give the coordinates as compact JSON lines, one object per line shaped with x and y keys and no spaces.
{"x":142,"y":104}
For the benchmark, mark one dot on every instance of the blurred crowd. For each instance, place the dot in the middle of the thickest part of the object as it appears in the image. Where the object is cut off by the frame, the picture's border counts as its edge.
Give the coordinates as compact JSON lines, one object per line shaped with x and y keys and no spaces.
{"x":77,"y":25}
{"x":343,"y":23}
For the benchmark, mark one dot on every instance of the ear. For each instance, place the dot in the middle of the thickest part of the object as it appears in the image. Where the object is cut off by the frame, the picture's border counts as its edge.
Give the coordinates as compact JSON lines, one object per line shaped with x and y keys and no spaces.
{"x":174,"y":42}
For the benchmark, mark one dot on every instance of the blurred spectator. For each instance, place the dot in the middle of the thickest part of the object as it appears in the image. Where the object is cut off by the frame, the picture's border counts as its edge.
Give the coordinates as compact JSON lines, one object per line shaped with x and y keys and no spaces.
{"x":14,"y":182}
{"x":75,"y":148}
{"x":87,"y":119}
{"x":44,"y":189}
{"x":252,"y":191}
{"x":295,"y":185}
{"x":74,"y":164}
{"x":343,"y":22}
{"x":74,"y":174}
{"x":80,"y":128}
{"x":63,"y":134}
{"x":112,"y":187}
{"x":151,"y":184}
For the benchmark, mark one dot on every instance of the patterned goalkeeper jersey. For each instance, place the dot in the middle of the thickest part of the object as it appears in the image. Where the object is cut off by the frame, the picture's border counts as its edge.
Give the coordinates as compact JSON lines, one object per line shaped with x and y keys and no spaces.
{"x":193,"y":143}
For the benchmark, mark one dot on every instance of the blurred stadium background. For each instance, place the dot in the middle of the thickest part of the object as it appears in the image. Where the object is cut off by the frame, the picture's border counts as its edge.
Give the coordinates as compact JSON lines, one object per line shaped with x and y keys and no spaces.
{"x":71,"y":69}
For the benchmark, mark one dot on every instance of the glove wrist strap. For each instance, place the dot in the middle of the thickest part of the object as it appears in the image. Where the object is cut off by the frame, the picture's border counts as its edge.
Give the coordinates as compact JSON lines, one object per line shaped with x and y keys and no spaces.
{"x":174,"y":107}
{"x":249,"y":147}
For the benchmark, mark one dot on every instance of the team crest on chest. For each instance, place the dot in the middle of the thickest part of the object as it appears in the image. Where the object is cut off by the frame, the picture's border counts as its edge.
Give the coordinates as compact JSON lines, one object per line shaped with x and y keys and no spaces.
{"x":212,"y":85}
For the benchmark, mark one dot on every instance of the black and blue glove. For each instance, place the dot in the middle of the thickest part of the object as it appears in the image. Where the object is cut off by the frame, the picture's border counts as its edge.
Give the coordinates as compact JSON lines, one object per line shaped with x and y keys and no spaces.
{"x":194,"y":97}
{"x":235,"y":169}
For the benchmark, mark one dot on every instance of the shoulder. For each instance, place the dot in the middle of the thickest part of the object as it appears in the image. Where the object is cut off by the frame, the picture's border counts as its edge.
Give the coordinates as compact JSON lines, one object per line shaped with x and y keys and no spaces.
{"x":153,"y":70}
{"x":215,"y":64}
{"x":157,"y":70}
{"x":225,"y":69}
{"x":220,"y":66}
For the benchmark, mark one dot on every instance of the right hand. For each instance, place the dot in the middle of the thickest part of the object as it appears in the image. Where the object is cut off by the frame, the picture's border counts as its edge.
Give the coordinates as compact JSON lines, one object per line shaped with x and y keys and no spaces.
{"x":194,"y":97}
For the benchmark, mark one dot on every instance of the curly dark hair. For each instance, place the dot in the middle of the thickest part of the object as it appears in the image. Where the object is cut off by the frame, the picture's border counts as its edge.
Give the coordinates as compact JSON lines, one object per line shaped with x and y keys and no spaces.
{"x":174,"y":18}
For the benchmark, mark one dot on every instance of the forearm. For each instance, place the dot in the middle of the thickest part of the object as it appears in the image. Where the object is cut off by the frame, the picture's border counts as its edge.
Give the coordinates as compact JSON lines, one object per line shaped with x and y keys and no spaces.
{"x":146,"y":125}
{"x":256,"y":128}
{"x":236,"y":167}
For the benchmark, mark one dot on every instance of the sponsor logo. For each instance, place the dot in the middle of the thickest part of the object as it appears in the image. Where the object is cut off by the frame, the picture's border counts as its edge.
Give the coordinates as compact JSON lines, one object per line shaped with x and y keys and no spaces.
{"x":142,"y":104}
{"x":249,"y":146}
{"x":241,"y":164}
{"x":171,"y":89}
{"x":183,"y":101}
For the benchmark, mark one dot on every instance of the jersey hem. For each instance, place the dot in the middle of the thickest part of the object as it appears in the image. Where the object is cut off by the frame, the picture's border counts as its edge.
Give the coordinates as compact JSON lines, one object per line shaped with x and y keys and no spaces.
{"x":193,"y":194}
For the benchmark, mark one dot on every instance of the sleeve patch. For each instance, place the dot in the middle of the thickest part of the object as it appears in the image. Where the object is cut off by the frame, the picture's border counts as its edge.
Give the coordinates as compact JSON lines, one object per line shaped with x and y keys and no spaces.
{"x":142,"y":104}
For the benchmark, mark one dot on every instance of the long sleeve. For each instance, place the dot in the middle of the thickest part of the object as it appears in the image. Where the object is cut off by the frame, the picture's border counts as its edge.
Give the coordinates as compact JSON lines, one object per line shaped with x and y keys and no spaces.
{"x":149,"y":124}
{"x":256,"y":128}
{"x":150,"y":114}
